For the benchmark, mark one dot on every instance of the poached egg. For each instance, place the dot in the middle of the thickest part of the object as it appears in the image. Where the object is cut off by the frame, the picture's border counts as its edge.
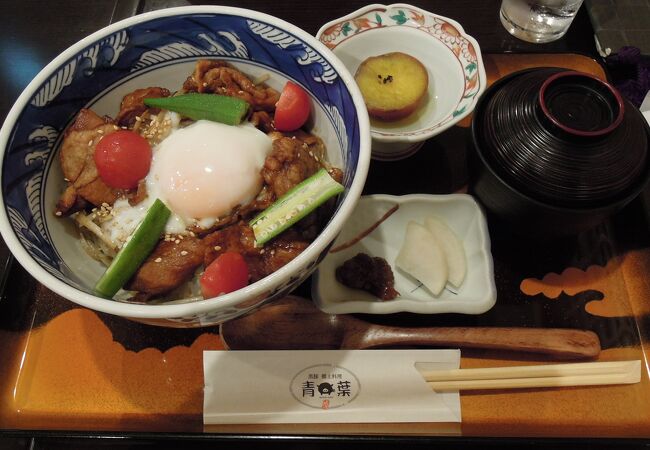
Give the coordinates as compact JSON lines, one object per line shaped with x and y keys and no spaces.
{"x":201,"y":172}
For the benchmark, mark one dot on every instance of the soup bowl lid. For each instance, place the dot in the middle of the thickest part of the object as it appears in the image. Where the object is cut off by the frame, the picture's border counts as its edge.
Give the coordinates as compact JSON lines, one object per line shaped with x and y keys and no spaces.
{"x":562,"y":137}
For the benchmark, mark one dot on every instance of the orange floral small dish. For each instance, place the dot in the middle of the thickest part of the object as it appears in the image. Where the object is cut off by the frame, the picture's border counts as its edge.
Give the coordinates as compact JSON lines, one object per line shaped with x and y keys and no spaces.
{"x":452,"y":59}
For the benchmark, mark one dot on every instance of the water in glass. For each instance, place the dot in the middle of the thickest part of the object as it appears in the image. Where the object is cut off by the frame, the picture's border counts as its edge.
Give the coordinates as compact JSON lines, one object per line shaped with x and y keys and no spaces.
{"x":538,"y":21}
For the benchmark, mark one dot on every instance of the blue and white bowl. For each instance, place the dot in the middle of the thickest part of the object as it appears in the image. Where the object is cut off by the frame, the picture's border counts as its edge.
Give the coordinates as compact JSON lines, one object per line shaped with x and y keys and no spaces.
{"x":160,"y":49}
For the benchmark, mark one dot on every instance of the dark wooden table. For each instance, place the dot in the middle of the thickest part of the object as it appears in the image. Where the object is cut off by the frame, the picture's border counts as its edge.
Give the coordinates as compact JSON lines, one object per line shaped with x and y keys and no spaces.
{"x":35,"y":31}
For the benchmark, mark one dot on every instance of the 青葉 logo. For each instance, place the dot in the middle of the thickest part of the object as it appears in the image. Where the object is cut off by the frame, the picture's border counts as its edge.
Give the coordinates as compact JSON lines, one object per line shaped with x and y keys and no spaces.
{"x":325,"y":386}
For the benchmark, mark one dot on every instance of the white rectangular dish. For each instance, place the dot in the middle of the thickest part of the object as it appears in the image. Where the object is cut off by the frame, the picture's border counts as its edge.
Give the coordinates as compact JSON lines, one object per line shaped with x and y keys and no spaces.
{"x":460,"y":212}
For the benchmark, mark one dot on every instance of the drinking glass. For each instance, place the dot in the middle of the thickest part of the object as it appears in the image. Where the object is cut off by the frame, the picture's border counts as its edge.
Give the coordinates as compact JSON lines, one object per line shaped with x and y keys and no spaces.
{"x":538,"y":21}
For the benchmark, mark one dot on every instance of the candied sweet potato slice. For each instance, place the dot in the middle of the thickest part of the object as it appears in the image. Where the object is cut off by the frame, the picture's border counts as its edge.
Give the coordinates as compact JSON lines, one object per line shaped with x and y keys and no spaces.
{"x":393,"y":85}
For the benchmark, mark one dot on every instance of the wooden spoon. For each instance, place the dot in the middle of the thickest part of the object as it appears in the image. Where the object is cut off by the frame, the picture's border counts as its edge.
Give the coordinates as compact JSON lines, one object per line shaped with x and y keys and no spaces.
{"x":294,"y":323}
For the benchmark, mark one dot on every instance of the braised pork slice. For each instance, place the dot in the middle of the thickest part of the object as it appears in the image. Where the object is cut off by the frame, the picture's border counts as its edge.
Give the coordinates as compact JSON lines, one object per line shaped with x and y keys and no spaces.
{"x":261,"y":261}
{"x":263,"y":121}
{"x":291,"y":161}
{"x":219,"y":77}
{"x":78,"y":164}
{"x":133,"y":106}
{"x":88,"y":120}
{"x":79,"y":139}
{"x":172,"y":263}
{"x":69,"y":202}
{"x":283,"y":249}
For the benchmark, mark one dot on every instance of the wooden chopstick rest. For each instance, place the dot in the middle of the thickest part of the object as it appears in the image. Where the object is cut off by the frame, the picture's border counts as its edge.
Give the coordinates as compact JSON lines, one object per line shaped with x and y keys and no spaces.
{"x":551,"y":375}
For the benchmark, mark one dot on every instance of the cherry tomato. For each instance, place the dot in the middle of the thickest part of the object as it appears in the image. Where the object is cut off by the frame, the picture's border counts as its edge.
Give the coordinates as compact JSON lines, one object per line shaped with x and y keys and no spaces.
{"x":292,"y":109}
{"x":225,"y":274}
{"x":122,"y":158}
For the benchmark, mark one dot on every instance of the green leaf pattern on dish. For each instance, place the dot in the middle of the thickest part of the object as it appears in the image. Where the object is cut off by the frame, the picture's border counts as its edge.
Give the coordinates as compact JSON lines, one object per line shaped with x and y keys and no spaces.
{"x":400,"y":18}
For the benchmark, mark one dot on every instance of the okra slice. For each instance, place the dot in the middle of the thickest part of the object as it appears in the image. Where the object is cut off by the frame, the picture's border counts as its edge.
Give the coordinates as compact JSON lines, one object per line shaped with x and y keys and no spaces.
{"x":294,"y":205}
{"x":196,"y":106}
{"x":133,"y":253}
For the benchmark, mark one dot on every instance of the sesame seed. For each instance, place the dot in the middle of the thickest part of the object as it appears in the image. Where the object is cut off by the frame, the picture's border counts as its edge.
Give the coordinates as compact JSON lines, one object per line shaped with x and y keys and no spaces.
{"x":158,"y":260}
{"x":100,"y":131}
{"x":205,"y":85}
{"x":177,"y":241}
{"x":124,"y":128}
{"x":138,"y":119}
{"x":217,"y":247}
{"x":58,"y":213}
{"x":181,"y":236}
{"x":183,"y":253}
{"x":90,"y":143}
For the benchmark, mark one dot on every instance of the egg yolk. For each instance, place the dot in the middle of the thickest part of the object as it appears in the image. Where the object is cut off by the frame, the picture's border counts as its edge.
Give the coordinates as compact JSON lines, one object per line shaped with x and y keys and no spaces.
{"x":206,"y":169}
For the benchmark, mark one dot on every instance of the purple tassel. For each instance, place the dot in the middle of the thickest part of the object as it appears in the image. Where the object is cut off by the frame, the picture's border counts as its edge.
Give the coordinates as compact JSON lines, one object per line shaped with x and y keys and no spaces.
{"x":636,"y":84}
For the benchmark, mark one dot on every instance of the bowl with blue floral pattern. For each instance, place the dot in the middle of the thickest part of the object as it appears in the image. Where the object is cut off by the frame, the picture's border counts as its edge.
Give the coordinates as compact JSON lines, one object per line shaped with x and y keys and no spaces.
{"x":452,"y":59}
{"x":162,"y":48}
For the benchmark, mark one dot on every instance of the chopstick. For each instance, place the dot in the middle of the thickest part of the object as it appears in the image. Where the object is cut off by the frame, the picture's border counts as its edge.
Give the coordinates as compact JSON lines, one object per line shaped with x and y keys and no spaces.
{"x":552,"y":375}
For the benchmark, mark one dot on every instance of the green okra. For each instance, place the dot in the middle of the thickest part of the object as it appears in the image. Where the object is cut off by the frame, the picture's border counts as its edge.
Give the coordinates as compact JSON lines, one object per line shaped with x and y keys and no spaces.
{"x":196,"y":106}
{"x":294,"y":205}
{"x":134,"y":252}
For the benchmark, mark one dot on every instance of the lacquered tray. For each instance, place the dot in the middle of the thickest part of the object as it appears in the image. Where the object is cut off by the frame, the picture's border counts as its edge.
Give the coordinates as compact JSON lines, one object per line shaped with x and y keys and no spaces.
{"x":68,"y":368}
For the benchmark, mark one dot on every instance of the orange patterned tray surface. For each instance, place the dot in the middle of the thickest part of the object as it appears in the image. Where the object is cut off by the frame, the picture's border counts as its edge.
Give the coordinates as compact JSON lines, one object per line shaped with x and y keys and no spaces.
{"x":71,"y":369}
